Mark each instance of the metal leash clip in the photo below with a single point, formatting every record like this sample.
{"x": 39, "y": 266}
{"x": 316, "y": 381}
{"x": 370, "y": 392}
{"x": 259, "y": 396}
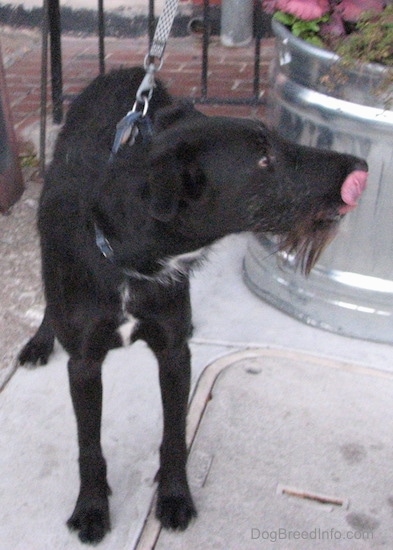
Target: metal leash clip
{"x": 145, "y": 90}
{"x": 126, "y": 130}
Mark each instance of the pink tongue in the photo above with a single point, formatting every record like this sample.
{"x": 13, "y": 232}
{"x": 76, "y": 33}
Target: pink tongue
{"x": 352, "y": 188}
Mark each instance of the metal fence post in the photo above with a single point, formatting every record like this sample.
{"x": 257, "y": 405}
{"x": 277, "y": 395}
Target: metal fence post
{"x": 237, "y": 22}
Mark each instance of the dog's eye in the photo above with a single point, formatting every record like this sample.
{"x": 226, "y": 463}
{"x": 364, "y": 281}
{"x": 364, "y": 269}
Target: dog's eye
{"x": 265, "y": 162}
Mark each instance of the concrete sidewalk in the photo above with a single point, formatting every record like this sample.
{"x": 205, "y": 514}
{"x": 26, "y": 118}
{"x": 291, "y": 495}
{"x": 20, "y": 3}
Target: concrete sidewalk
{"x": 288, "y": 451}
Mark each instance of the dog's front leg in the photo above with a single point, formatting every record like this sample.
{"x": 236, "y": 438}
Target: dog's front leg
{"x": 91, "y": 514}
{"x": 175, "y": 507}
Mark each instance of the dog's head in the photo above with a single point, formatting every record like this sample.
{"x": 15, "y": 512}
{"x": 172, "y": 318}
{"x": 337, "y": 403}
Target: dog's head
{"x": 211, "y": 176}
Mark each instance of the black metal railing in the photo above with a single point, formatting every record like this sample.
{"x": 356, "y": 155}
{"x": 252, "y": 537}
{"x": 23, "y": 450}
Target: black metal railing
{"x": 54, "y": 30}
{"x": 260, "y": 28}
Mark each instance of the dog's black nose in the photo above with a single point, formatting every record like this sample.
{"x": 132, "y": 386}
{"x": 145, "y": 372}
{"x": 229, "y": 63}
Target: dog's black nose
{"x": 361, "y": 165}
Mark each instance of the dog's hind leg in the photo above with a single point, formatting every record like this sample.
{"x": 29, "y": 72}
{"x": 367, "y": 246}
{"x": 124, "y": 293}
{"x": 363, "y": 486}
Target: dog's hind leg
{"x": 40, "y": 346}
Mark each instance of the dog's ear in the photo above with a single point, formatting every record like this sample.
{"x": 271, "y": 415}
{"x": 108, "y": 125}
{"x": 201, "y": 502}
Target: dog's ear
{"x": 175, "y": 176}
{"x": 165, "y": 186}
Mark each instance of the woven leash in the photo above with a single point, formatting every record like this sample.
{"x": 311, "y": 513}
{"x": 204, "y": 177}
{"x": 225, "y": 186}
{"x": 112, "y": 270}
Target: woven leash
{"x": 157, "y": 48}
{"x": 163, "y": 29}
{"x": 128, "y": 127}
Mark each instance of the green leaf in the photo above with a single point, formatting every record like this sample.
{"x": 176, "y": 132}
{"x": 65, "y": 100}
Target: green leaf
{"x": 315, "y": 41}
{"x": 284, "y": 18}
{"x": 314, "y": 26}
{"x": 299, "y": 27}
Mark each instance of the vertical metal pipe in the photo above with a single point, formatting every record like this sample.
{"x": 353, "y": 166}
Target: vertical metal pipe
{"x": 205, "y": 47}
{"x": 101, "y": 37}
{"x": 236, "y": 22}
{"x": 258, "y": 35}
{"x": 56, "y": 65}
{"x": 44, "y": 83}
{"x": 257, "y": 57}
{"x": 151, "y": 22}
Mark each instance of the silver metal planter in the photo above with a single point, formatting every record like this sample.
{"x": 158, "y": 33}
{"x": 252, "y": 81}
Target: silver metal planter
{"x": 312, "y": 101}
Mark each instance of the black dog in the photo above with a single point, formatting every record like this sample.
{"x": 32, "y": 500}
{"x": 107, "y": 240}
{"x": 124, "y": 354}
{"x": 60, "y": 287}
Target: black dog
{"x": 120, "y": 236}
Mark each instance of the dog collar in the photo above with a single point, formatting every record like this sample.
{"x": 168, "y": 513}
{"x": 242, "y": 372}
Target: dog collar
{"x": 103, "y": 244}
{"x": 127, "y": 129}
{"x": 107, "y": 251}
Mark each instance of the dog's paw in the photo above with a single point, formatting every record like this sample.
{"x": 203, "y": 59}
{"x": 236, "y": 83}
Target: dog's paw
{"x": 35, "y": 353}
{"x": 175, "y": 512}
{"x": 91, "y": 520}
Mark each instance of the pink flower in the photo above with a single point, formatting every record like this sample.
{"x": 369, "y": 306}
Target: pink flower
{"x": 304, "y": 9}
{"x": 351, "y": 10}
{"x": 269, "y": 6}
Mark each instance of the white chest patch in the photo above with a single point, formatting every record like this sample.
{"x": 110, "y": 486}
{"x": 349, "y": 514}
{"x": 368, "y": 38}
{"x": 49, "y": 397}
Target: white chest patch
{"x": 180, "y": 265}
{"x": 182, "y": 262}
{"x": 173, "y": 268}
{"x": 127, "y": 327}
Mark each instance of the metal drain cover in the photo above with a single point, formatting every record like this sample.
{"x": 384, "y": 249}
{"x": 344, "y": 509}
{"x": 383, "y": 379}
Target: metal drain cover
{"x": 274, "y": 422}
